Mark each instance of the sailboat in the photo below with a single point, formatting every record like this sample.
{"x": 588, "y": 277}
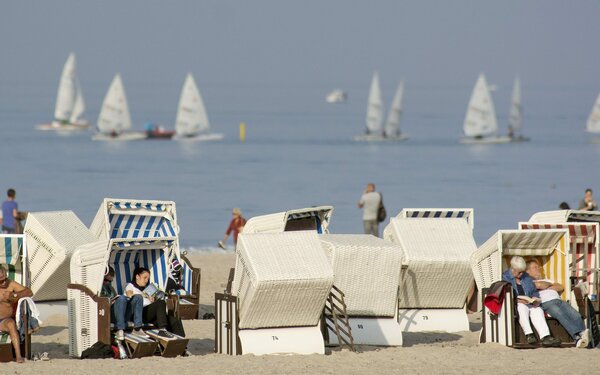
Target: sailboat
{"x": 593, "y": 122}
{"x": 515, "y": 118}
{"x": 114, "y": 121}
{"x": 70, "y": 106}
{"x": 375, "y": 128}
{"x": 192, "y": 122}
{"x": 480, "y": 125}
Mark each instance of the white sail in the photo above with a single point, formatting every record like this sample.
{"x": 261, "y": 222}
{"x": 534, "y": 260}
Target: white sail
{"x": 65, "y": 98}
{"x": 392, "y": 125}
{"x": 114, "y": 115}
{"x": 480, "y": 119}
{"x": 375, "y": 107}
{"x": 516, "y": 111}
{"x": 79, "y": 106}
{"x": 191, "y": 114}
{"x": 593, "y": 122}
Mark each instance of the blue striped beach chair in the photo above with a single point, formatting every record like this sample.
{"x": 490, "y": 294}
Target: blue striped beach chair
{"x": 150, "y": 219}
{"x": 89, "y": 314}
{"x": 13, "y": 253}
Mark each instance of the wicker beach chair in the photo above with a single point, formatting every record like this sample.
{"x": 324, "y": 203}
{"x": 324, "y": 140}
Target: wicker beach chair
{"x": 438, "y": 277}
{"x": 367, "y": 270}
{"x": 550, "y": 247}
{"x": 439, "y": 213}
{"x": 139, "y": 219}
{"x": 51, "y": 238}
{"x": 89, "y": 314}
{"x": 311, "y": 218}
{"x": 278, "y": 292}
{"x": 13, "y": 254}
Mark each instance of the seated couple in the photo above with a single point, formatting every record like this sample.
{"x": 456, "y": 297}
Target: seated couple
{"x": 137, "y": 305}
{"x": 526, "y": 281}
{"x": 10, "y": 293}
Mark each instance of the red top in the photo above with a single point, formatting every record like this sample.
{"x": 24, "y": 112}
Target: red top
{"x": 235, "y": 226}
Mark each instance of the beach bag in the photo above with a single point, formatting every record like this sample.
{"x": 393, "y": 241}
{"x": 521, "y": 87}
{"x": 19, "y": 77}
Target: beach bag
{"x": 98, "y": 351}
{"x": 381, "y": 212}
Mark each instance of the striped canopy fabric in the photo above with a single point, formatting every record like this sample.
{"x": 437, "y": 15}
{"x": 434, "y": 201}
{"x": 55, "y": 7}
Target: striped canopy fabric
{"x": 126, "y": 256}
{"x": 584, "y": 248}
{"x": 10, "y": 249}
{"x": 438, "y": 213}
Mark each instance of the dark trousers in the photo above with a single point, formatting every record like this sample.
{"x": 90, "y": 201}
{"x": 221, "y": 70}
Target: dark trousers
{"x": 156, "y": 313}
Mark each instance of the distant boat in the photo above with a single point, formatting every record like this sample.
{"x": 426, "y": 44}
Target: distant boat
{"x": 480, "y": 125}
{"x": 375, "y": 130}
{"x": 515, "y": 118}
{"x": 192, "y": 122}
{"x": 114, "y": 121}
{"x": 336, "y": 96}
{"x": 593, "y": 122}
{"x": 70, "y": 106}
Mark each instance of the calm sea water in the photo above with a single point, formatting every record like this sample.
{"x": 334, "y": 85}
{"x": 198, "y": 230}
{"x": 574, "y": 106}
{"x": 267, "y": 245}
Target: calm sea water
{"x": 299, "y": 152}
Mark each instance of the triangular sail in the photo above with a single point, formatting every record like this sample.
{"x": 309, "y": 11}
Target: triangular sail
{"x": 375, "y": 107}
{"x": 79, "y": 106}
{"x": 392, "y": 126}
{"x": 114, "y": 115}
{"x": 516, "y": 111}
{"x": 480, "y": 119}
{"x": 65, "y": 98}
{"x": 593, "y": 122}
{"x": 191, "y": 114}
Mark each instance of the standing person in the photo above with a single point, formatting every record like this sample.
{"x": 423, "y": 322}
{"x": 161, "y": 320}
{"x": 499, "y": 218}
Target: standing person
{"x": 588, "y": 203}
{"x": 10, "y": 213}
{"x": 369, "y": 202}
{"x": 10, "y": 292}
{"x": 235, "y": 226}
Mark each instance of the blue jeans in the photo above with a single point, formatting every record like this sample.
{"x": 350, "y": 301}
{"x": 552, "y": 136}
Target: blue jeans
{"x": 123, "y": 309}
{"x": 566, "y": 315}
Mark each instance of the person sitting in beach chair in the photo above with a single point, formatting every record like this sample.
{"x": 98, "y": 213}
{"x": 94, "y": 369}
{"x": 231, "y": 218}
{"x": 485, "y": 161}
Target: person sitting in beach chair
{"x": 10, "y": 292}
{"x": 154, "y": 307}
{"x": 123, "y": 309}
{"x": 528, "y": 303}
{"x": 553, "y": 305}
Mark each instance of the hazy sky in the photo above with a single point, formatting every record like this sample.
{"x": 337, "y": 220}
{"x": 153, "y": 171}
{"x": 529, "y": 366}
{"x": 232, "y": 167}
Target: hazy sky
{"x": 433, "y": 44}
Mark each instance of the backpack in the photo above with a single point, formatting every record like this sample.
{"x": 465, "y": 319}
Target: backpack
{"x": 381, "y": 213}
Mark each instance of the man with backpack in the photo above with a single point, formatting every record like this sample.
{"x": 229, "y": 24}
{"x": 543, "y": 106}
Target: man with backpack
{"x": 371, "y": 203}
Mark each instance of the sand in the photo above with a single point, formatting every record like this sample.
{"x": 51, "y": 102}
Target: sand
{"x": 422, "y": 353}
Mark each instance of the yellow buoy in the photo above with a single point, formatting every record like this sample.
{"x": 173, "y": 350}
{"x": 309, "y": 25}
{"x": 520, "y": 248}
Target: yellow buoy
{"x": 242, "y": 131}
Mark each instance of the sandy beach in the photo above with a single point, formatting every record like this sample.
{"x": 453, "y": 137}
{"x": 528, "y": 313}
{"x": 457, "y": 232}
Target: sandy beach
{"x": 422, "y": 352}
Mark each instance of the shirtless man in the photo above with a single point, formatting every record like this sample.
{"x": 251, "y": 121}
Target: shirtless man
{"x": 10, "y": 292}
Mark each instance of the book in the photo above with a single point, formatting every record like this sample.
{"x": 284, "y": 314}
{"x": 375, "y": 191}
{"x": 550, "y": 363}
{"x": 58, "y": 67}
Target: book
{"x": 529, "y": 300}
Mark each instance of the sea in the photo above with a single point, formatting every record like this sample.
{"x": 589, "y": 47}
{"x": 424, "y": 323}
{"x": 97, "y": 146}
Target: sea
{"x": 298, "y": 152}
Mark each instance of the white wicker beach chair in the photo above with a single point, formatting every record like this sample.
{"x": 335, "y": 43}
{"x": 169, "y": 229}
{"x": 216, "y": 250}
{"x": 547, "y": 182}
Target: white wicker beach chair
{"x": 439, "y": 213}
{"x": 367, "y": 270}
{"x": 89, "y": 314}
{"x": 549, "y": 246}
{"x": 438, "y": 275}
{"x": 311, "y": 218}
{"x": 13, "y": 253}
{"x": 585, "y": 249}
{"x": 134, "y": 218}
{"x": 51, "y": 238}
{"x": 281, "y": 284}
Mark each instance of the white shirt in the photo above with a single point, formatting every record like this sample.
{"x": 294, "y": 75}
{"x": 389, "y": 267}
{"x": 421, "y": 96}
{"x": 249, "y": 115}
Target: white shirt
{"x": 131, "y": 287}
{"x": 370, "y": 202}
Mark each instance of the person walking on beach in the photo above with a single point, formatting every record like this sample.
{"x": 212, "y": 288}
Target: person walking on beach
{"x": 588, "y": 203}
{"x": 10, "y": 213}
{"x": 369, "y": 202}
{"x": 235, "y": 226}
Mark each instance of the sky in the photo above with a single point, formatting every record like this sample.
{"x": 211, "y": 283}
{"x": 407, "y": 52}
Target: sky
{"x": 284, "y": 45}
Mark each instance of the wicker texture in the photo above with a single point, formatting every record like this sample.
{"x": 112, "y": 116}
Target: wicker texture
{"x": 437, "y": 253}
{"x": 367, "y": 270}
{"x": 52, "y": 237}
{"x": 281, "y": 280}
